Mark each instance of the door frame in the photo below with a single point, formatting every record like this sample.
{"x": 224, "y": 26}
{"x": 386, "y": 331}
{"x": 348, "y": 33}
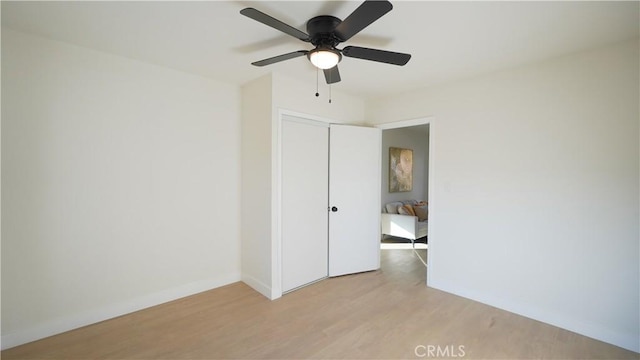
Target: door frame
{"x": 428, "y": 120}
{"x": 276, "y": 193}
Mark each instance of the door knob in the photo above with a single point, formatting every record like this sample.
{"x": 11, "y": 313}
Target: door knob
{"x": 334, "y": 209}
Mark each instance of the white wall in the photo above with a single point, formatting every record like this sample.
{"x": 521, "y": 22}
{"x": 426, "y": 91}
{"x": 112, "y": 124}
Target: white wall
{"x": 256, "y": 184}
{"x": 298, "y": 95}
{"x": 535, "y": 189}
{"x": 418, "y": 141}
{"x": 120, "y": 186}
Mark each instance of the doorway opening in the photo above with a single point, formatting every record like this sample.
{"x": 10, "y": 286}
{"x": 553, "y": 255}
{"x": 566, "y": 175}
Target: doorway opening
{"x": 405, "y": 209}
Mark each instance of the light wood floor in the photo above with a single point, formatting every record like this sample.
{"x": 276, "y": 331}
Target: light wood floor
{"x": 382, "y": 314}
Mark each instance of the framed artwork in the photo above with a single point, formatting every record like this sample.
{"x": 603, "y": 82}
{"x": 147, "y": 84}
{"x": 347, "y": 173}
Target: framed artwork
{"x": 400, "y": 170}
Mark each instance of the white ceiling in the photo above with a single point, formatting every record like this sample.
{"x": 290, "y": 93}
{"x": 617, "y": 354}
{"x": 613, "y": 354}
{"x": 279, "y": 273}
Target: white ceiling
{"x": 448, "y": 40}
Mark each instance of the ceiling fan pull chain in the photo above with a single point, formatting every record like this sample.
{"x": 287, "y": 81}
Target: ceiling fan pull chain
{"x": 330, "y": 81}
{"x": 317, "y": 71}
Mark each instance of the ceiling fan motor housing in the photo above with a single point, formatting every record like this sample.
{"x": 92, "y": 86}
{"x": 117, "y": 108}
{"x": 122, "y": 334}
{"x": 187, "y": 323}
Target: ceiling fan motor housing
{"x": 320, "y": 30}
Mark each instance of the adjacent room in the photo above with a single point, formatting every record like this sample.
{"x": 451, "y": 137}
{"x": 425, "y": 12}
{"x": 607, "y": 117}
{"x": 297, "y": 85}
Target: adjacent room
{"x": 405, "y": 186}
{"x": 211, "y": 179}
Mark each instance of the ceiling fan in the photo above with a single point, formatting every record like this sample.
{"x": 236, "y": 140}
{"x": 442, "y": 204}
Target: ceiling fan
{"x": 325, "y": 32}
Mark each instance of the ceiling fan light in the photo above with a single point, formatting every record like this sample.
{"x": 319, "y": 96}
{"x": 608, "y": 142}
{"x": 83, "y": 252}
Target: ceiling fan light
{"x": 324, "y": 58}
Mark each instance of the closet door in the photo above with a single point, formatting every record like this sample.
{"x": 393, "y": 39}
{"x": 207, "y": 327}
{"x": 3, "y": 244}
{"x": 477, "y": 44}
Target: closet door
{"x": 354, "y": 221}
{"x": 305, "y": 188}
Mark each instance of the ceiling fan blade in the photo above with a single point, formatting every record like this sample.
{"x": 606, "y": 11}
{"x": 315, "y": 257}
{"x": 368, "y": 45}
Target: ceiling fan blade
{"x": 388, "y": 57}
{"x": 279, "y": 58}
{"x": 332, "y": 75}
{"x": 274, "y": 23}
{"x": 360, "y": 18}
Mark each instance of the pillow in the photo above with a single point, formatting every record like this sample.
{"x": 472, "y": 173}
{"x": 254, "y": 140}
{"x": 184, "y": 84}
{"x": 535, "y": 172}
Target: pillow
{"x": 421, "y": 211}
{"x": 392, "y": 208}
{"x": 406, "y": 210}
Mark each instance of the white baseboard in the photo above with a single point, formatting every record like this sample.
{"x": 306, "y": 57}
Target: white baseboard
{"x": 60, "y": 325}
{"x": 623, "y": 340}
{"x": 257, "y": 285}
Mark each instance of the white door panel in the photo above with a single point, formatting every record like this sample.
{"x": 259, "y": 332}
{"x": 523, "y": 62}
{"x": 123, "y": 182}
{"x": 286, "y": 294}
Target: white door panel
{"x": 354, "y": 180}
{"x": 305, "y": 157}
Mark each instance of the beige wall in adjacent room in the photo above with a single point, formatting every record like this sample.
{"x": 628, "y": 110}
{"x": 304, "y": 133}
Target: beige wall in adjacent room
{"x": 414, "y": 138}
